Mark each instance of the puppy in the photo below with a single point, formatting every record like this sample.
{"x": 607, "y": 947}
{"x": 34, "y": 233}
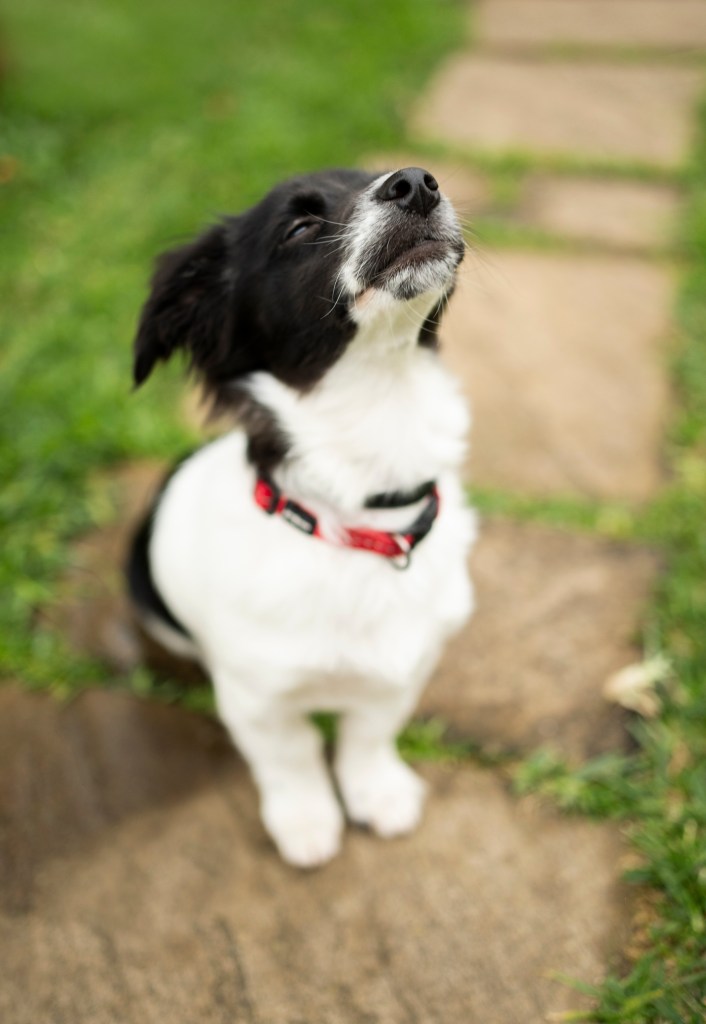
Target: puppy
{"x": 315, "y": 558}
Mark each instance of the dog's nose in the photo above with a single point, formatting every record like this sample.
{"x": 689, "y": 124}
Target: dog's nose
{"x": 412, "y": 189}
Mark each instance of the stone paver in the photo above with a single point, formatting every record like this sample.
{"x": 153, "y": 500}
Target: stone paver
{"x": 614, "y": 214}
{"x": 558, "y": 613}
{"x": 589, "y": 109}
{"x": 138, "y": 884}
{"x": 665, "y": 24}
{"x": 563, "y": 358}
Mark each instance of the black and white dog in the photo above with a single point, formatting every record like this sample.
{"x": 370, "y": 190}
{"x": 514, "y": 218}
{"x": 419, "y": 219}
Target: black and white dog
{"x": 273, "y": 554}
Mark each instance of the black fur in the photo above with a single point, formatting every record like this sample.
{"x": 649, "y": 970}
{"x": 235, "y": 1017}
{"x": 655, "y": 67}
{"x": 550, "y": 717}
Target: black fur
{"x": 138, "y": 571}
{"x": 429, "y": 332}
{"x": 267, "y": 442}
{"x": 246, "y": 297}
{"x": 259, "y": 291}
{"x": 141, "y": 585}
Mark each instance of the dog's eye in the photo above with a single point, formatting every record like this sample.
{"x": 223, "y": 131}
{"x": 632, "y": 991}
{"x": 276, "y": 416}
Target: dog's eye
{"x": 300, "y": 228}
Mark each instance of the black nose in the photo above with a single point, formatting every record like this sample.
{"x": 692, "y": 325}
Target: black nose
{"x": 412, "y": 189}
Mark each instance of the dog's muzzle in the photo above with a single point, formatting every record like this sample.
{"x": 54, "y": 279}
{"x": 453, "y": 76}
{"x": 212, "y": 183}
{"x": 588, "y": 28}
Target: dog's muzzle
{"x": 404, "y": 237}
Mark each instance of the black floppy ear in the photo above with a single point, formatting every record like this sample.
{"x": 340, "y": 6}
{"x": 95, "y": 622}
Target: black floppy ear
{"x": 190, "y": 305}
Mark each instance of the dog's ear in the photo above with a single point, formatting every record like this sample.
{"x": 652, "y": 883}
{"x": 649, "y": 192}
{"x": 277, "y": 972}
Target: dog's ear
{"x": 190, "y": 305}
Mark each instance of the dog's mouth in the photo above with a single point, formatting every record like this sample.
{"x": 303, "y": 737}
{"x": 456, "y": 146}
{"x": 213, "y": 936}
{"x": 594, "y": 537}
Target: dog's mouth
{"x": 416, "y": 255}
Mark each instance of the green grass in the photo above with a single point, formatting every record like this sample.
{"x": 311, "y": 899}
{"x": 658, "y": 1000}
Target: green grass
{"x": 605, "y": 53}
{"x": 517, "y": 162}
{"x": 125, "y": 126}
{"x": 504, "y": 231}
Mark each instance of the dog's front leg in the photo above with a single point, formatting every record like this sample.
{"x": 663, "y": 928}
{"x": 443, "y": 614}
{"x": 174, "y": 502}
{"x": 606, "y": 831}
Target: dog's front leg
{"x": 285, "y": 754}
{"x": 378, "y": 788}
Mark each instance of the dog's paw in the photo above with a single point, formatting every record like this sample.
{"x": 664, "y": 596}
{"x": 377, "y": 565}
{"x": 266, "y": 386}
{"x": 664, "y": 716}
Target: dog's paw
{"x": 387, "y": 795}
{"x": 307, "y": 831}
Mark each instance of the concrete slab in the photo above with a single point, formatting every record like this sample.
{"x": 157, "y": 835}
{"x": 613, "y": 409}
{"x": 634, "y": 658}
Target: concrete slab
{"x": 563, "y": 358}
{"x": 558, "y": 613}
{"x": 138, "y": 885}
{"x": 588, "y": 109}
{"x": 664, "y": 24}
{"x": 630, "y": 215}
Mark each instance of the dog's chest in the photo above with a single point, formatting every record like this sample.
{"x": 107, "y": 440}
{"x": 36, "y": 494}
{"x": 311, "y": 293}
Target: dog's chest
{"x": 374, "y": 423}
{"x": 343, "y": 617}
{"x": 282, "y": 606}
{"x": 345, "y": 613}
{"x": 289, "y": 609}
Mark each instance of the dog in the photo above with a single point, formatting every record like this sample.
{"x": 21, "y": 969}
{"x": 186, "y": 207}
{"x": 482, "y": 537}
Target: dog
{"x": 314, "y": 558}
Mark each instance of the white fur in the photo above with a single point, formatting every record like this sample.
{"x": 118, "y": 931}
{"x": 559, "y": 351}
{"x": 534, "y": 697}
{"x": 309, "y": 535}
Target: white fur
{"x": 288, "y": 624}
{"x": 369, "y": 220}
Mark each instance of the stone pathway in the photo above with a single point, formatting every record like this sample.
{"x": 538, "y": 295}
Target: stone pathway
{"x": 564, "y": 356}
{"x": 557, "y": 616}
{"x": 139, "y": 884}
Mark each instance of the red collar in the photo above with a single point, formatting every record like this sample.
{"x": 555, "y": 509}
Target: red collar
{"x": 397, "y": 547}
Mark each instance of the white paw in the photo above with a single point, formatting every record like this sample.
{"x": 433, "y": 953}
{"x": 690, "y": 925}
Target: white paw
{"x": 307, "y": 831}
{"x": 386, "y": 795}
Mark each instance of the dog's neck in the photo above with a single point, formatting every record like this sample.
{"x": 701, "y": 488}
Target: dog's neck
{"x": 385, "y": 417}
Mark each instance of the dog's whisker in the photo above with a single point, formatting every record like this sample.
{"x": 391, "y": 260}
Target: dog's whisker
{"x": 329, "y": 241}
{"x": 338, "y": 237}
{"x": 336, "y": 298}
{"x": 333, "y": 251}
{"x": 338, "y": 223}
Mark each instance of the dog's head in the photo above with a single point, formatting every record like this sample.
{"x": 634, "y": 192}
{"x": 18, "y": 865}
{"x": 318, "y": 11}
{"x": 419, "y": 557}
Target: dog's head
{"x": 286, "y": 286}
